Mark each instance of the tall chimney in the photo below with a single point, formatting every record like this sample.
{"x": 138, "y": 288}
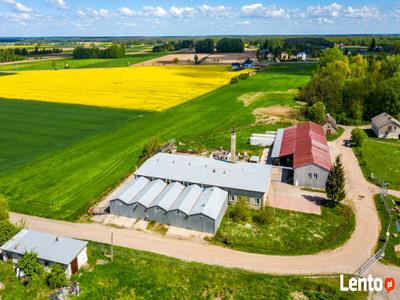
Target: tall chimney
{"x": 233, "y": 145}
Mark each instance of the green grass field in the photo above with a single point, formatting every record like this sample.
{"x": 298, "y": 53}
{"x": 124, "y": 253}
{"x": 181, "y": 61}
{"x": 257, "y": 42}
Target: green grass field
{"x": 80, "y": 63}
{"x": 381, "y": 157}
{"x": 65, "y": 183}
{"x": 390, "y": 255}
{"x": 141, "y": 275}
{"x": 289, "y": 232}
{"x": 29, "y": 130}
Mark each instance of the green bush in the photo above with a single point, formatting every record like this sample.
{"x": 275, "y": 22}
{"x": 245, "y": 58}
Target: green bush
{"x": 263, "y": 216}
{"x": 241, "y": 212}
{"x": 7, "y": 231}
{"x": 358, "y": 136}
{"x": 57, "y": 277}
{"x": 3, "y": 209}
{"x": 29, "y": 264}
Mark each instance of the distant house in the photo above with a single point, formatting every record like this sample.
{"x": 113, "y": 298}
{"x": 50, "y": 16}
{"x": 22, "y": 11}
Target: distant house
{"x": 304, "y": 151}
{"x": 330, "y": 126}
{"x": 69, "y": 253}
{"x": 270, "y": 56}
{"x": 385, "y": 126}
{"x": 301, "y": 56}
{"x": 284, "y": 56}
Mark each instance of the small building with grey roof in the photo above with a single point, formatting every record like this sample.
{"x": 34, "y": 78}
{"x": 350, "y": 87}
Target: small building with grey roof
{"x": 385, "y": 126}
{"x": 51, "y": 249}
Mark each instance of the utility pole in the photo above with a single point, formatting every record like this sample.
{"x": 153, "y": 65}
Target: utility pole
{"x": 274, "y": 199}
{"x": 112, "y": 246}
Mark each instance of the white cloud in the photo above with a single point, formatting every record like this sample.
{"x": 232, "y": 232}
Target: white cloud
{"x": 126, "y": 11}
{"x": 363, "y": 12}
{"x": 325, "y": 21}
{"x": 61, "y": 4}
{"x": 259, "y": 10}
{"x": 16, "y": 18}
{"x": 215, "y": 11}
{"x": 155, "y": 11}
{"x": 396, "y": 13}
{"x": 332, "y": 10}
{"x": 244, "y": 22}
{"x": 181, "y": 11}
{"x": 80, "y": 13}
{"x": 17, "y": 6}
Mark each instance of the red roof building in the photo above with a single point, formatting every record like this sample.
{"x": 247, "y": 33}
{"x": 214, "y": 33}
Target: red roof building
{"x": 300, "y": 146}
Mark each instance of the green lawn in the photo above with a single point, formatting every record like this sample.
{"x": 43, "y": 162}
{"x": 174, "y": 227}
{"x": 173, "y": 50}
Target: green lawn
{"x": 390, "y": 256}
{"x": 80, "y": 63}
{"x": 142, "y": 275}
{"x": 64, "y": 184}
{"x": 31, "y": 129}
{"x": 289, "y": 232}
{"x": 381, "y": 157}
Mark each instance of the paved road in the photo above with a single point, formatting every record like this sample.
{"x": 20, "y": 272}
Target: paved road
{"x": 345, "y": 259}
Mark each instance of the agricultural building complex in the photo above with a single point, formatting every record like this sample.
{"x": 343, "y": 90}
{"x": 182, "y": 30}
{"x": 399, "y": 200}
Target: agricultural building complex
{"x": 189, "y": 191}
{"x": 70, "y": 253}
{"x": 303, "y": 148}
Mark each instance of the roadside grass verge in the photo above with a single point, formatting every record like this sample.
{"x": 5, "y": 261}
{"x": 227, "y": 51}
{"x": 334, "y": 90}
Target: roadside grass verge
{"x": 64, "y": 184}
{"x": 289, "y": 232}
{"x": 332, "y": 137}
{"x": 152, "y": 276}
{"x": 136, "y": 274}
{"x": 390, "y": 255}
{"x": 382, "y": 158}
{"x": 80, "y": 63}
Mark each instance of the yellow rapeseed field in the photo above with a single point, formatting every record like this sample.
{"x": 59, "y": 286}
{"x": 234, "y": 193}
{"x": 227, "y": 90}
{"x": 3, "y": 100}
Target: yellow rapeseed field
{"x": 146, "y": 88}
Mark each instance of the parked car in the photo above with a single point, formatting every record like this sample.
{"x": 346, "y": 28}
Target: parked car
{"x": 348, "y": 143}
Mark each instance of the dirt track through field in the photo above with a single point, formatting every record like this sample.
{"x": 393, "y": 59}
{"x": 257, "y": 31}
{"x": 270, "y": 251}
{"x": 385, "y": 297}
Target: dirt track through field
{"x": 345, "y": 259}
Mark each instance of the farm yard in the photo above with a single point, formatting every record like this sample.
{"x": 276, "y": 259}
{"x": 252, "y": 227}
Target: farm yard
{"x": 63, "y": 183}
{"x": 148, "y": 88}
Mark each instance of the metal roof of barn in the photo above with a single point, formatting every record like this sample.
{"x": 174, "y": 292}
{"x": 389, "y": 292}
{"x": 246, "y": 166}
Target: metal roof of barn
{"x": 277, "y": 143}
{"x": 168, "y": 196}
{"x": 130, "y": 190}
{"x": 308, "y": 145}
{"x": 210, "y": 203}
{"x": 149, "y": 193}
{"x": 207, "y": 171}
{"x": 48, "y": 247}
{"x": 187, "y": 199}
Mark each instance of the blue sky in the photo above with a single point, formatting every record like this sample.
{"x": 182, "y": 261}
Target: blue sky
{"x": 193, "y": 17}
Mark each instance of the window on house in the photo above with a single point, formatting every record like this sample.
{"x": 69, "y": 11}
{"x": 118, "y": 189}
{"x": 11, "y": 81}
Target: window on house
{"x": 315, "y": 175}
{"x": 257, "y": 201}
{"x": 310, "y": 175}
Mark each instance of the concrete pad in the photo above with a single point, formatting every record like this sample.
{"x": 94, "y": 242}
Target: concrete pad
{"x": 186, "y": 234}
{"x": 109, "y": 219}
{"x": 124, "y": 222}
{"x": 286, "y": 196}
{"x": 98, "y": 218}
{"x": 141, "y": 225}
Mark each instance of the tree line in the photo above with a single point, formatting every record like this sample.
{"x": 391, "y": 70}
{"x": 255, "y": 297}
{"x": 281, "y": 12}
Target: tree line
{"x": 8, "y": 55}
{"x": 224, "y": 45}
{"x": 15, "y": 54}
{"x": 355, "y": 88}
{"x": 313, "y": 46}
{"x": 113, "y": 51}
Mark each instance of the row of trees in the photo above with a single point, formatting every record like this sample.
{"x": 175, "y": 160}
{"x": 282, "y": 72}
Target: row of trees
{"x": 174, "y": 46}
{"x": 224, "y": 45}
{"x": 8, "y": 55}
{"x": 113, "y": 51}
{"x": 355, "y": 88}
{"x": 313, "y": 46}
{"x": 36, "y": 51}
